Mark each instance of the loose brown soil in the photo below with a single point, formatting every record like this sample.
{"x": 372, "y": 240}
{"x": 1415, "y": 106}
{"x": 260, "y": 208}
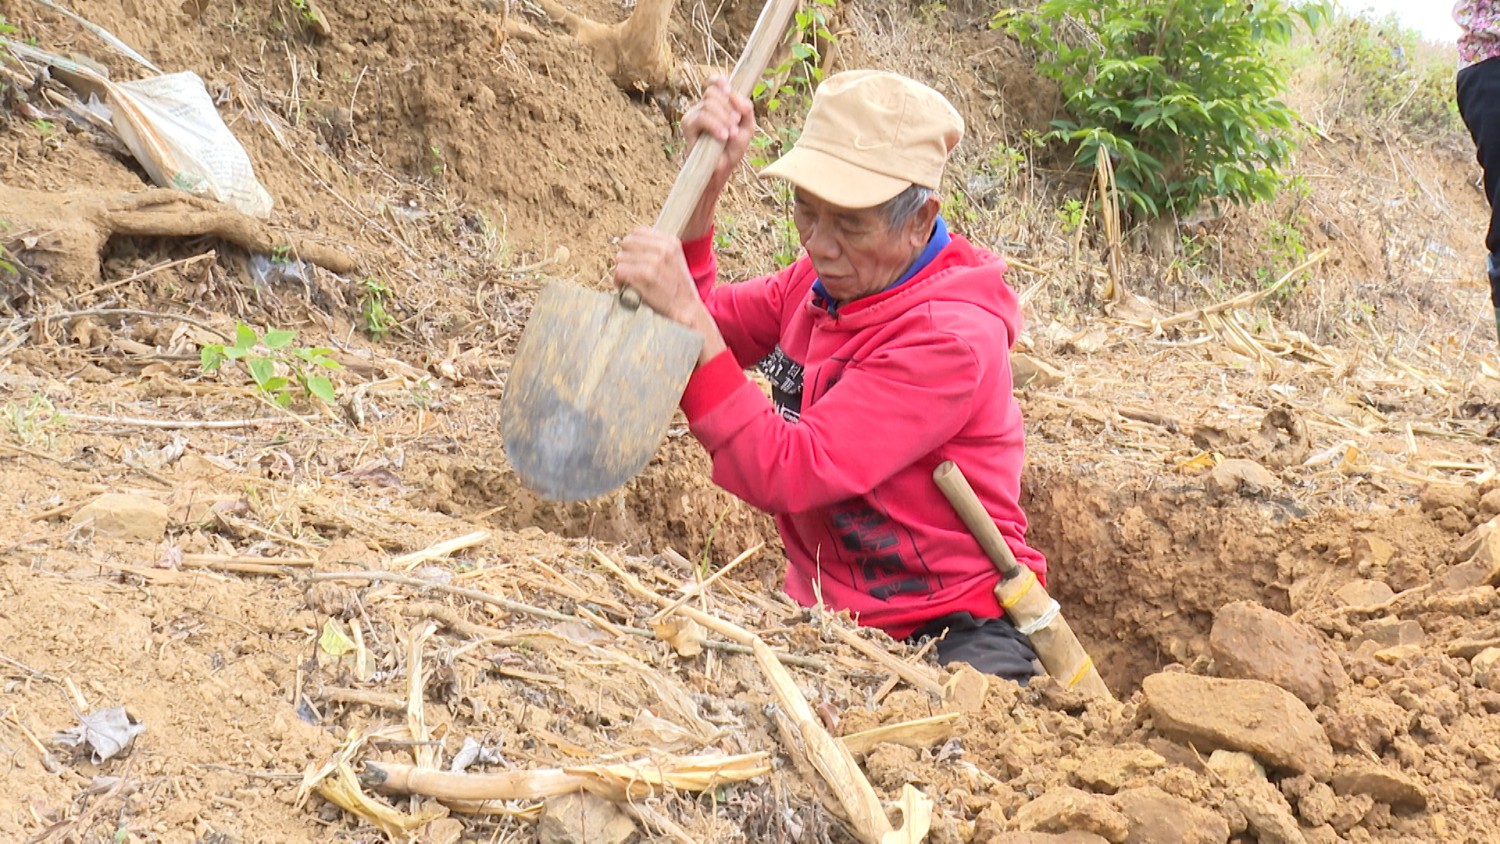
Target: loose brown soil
{"x": 461, "y": 161}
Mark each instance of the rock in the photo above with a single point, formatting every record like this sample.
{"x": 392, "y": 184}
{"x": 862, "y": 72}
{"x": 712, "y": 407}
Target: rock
{"x": 1391, "y": 656}
{"x": 1044, "y": 838}
{"x": 1472, "y": 573}
{"x": 1371, "y": 553}
{"x": 1108, "y": 769}
{"x": 1363, "y": 593}
{"x": 1068, "y": 809}
{"x": 1251, "y": 642}
{"x": 123, "y": 516}
{"x": 583, "y": 818}
{"x": 1027, "y": 371}
{"x": 1267, "y": 812}
{"x": 1489, "y": 503}
{"x": 1256, "y": 717}
{"x": 1470, "y": 544}
{"x": 1234, "y": 766}
{"x": 1438, "y": 497}
{"x": 1390, "y": 633}
{"x": 1236, "y": 475}
{"x": 1383, "y": 784}
{"x": 1484, "y": 665}
{"x": 1157, "y": 817}
{"x": 966, "y": 690}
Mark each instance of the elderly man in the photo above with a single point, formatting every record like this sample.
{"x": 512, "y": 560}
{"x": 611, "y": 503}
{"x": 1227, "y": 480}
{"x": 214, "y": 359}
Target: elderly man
{"x": 887, "y": 348}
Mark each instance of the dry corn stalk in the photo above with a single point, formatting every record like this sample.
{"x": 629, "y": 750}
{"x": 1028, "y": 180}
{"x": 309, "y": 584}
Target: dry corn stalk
{"x": 828, "y": 756}
{"x": 617, "y": 781}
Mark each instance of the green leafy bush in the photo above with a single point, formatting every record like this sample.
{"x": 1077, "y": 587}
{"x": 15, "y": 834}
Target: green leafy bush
{"x": 1381, "y": 71}
{"x": 1182, "y": 94}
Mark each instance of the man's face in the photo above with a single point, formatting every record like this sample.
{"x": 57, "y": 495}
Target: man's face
{"x": 855, "y": 251}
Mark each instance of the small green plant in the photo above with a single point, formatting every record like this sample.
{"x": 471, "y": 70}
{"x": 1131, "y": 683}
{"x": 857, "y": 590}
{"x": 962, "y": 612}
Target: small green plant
{"x": 1005, "y": 163}
{"x": 33, "y": 422}
{"x": 1284, "y": 251}
{"x": 1182, "y": 95}
{"x": 1070, "y": 215}
{"x": 275, "y": 365}
{"x": 373, "y": 297}
{"x": 281, "y": 254}
{"x": 46, "y": 127}
{"x": 439, "y": 165}
{"x": 725, "y": 234}
{"x": 6, "y": 28}
{"x": 801, "y": 71}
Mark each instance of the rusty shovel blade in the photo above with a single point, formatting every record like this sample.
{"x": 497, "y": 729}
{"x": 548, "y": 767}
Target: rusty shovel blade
{"x": 591, "y": 391}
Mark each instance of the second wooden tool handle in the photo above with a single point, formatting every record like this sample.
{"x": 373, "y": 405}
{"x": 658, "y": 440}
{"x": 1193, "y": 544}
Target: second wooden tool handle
{"x": 699, "y": 167}
{"x": 956, "y": 487}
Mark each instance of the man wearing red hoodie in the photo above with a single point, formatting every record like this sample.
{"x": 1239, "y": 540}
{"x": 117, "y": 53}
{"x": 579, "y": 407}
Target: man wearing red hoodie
{"x": 887, "y": 348}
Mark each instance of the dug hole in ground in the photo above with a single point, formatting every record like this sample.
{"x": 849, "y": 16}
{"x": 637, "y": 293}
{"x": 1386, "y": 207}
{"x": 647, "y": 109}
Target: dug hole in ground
{"x": 1271, "y": 519}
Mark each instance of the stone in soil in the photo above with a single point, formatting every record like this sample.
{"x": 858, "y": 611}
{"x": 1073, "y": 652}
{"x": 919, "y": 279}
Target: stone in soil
{"x": 583, "y": 818}
{"x": 1069, "y": 809}
{"x": 1251, "y": 642}
{"x": 1249, "y": 715}
{"x": 1363, "y": 593}
{"x": 1394, "y": 788}
{"x": 1109, "y": 769}
{"x": 1074, "y": 837}
{"x": 1157, "y": 817}
{"x": 119, "y": 515}
{"x": 1266, "y": 811}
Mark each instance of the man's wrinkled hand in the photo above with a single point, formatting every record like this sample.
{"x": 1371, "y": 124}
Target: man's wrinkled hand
{"x": 652, "y": 264}
{"x": 725, "y": 115}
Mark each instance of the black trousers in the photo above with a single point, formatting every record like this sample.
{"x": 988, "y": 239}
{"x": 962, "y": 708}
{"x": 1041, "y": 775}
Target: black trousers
{"x": 991, "y": 645}
{"x": 1479, "y": 103}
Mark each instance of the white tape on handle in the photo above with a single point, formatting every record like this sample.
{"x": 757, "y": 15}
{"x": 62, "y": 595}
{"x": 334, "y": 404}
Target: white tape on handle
{"x": 1047, "y": 617}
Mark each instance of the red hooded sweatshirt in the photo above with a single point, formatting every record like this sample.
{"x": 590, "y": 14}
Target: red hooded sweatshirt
{"x": 867, "y": 400}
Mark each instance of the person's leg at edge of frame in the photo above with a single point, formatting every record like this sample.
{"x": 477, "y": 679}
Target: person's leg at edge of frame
{"x": 1479, "y": 104}
{"x": 992, "y": 645}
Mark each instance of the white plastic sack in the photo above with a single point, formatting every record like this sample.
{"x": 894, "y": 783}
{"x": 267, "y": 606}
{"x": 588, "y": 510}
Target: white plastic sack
{"x": 172, "y": 128}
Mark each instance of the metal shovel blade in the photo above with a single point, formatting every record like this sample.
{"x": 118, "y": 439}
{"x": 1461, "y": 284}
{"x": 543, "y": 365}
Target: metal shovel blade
{"x": 591, "y": 391}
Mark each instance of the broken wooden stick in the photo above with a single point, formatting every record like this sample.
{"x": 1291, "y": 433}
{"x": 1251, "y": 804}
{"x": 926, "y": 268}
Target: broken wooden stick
{"x": 618, "y": 781}
{"x": 830, "y": 758}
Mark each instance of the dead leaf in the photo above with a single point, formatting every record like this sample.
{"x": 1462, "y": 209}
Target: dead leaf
{"x": 107, "y": 732}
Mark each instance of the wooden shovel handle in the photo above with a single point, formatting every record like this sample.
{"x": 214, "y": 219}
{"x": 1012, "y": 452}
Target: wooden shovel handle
{"x": 699, "y": 167}
{"x": 956, "y": 487}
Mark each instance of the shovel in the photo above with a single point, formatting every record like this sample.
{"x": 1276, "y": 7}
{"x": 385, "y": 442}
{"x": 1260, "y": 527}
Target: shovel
{"x": 1021, "y": 595}
{"x": 597, "y": 375}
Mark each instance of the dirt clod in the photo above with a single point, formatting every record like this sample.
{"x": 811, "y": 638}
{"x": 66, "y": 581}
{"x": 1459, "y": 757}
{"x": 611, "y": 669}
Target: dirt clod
{"x": 123, "y": 516}
{"x": 1066, "y": 809}
{"x": 1249, "y": 715}
{"x": 583, "y": 819}
{"x": 1253, "y": 643}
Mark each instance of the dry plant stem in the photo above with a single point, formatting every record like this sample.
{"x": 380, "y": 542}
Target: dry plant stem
{"x": 692, "y": 590}
{"x": 1242, "y": 301}
{"x": 923, "y": 732}
{"x": 196, "y": 424}
{"x": 917, "y": 676}
{"x": 538, "y": 612}
{"x": 183, "y": 318}
{"x": 621, "y": 781}
{"x": 407, "y": 562}
{"x": 832, "y": 760}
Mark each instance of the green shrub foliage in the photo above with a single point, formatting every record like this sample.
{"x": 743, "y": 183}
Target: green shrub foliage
{"x": 1182, "y": 94}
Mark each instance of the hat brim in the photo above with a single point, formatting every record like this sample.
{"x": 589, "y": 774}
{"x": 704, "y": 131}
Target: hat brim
{"x": 833, "y": 179}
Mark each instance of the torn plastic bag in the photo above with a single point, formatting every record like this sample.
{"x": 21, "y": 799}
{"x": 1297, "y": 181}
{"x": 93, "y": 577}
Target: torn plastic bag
{"x": 171, "y": 126}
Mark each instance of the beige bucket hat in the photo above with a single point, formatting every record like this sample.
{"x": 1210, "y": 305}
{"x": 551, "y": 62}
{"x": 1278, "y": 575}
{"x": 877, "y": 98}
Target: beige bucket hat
{"x": 870, "y": 135}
